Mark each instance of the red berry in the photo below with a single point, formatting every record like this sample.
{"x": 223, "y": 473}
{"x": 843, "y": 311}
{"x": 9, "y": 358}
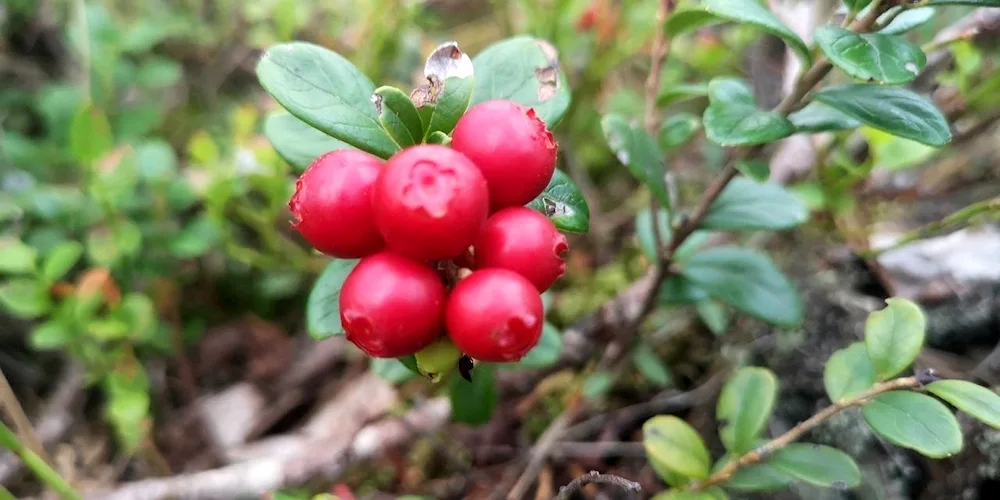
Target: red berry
{"x": 332, "y": 204}
{"x": 524, "y": 241}
{"x": 494, "y": 315}
{"x": 430, "y": 202}
{"x": 511, "y": 146}
{"x": 391, "y": 306}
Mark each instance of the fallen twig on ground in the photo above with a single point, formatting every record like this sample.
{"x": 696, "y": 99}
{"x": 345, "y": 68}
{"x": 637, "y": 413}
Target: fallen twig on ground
{"x": 632, "y": 488}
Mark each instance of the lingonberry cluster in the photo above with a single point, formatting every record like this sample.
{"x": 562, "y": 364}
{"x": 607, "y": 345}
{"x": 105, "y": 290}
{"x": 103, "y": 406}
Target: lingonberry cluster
{"x": 447, "y": 246}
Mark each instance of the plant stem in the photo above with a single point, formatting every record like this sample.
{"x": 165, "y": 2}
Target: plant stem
{"x": 593, "y": 477}
{"x": 5, "y": 494}
{"x": 46, "y": 474}
{"x": 12, "y": 407}
{"x": 795, "y": 433}
{"x": 960, "y": 217}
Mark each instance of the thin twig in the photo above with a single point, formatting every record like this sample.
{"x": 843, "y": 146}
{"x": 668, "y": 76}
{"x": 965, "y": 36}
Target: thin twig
{"x": 795, "y": 433}
{"x": 632, "y": 488}
{"x": 46, "y": 474}
{"x": 958, "y": 218}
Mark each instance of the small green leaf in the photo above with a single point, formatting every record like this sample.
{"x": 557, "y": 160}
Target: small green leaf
{"x": 51, "y": 335}
{"x": 848, "y": 372}
{"x": 473, "y": 402}
{"x": 128, "y": 406}
{"x": 817, "y": 465}
{"x": 749, "y": 12}
{"x": 61, "y": 259}
{"x": 25, "y": 298}
{"x": 733, "y": 118}
{"x": 524, "y": 70}
{"x": 437, "y": 359}
{"x": 914, "y": 421}
{"x": 678, "y": 290}
{"x": 676, "y": 445}
{"x": 757, "y": 170}
{"x": 546, "y": 352}
{"x": 639, "y": 153}
{"x": 438, "y": 137}
{"x": 908, "y": 20}
{"x": 898, "y": 111}
{"x": 714, "y": 315}
{"x": 712, "y": 493}
{"x": 398, "y": 115}
{"x": 107, "y": 329}
{"x": 156, "y": 160}
{"x": 760, "y": 477}
{"x": 871, "y": 57}
{"x": 597, "y": 385}
{"x": 678, "y": 129}
{"x": 391, "y": 370}
{"x": 298, "y": 142}
{"x": 196, "y": 239}
{"x": 746, "y": 280}
{"x": 90, "y": 135}
{"x": 894, "y": 336}
{"x": 644, "y": 231}
{"x": 818, "y": 117}
{"x": 564, "y": 204}
{"x": 651, "y": 366}
{"x": 325, "y": 90}
{"x": 748, "y": 205}
{"x": 16, "y": 257}
{"x": 744, "y": 407}
{"x": 323, "y": 306}
{"x": 676, "y": 92}
{"x": 976, "y": 400}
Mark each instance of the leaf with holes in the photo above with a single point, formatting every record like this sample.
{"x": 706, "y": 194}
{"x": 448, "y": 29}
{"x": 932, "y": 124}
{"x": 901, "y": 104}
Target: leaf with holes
{"x": 894, "y": 336}
{"x": 298, "y": 142}
{"x": 744, "y": 407}
{"x": 733, "y": 118}
{"x": 639, "y": 152}
{"x": 564, "y": 204}
{"x": 976, "y": 400}
{"x": 898, "y": 111}
{"x": 446, "y": 95}
{"x": 848, "y": 372}
{"x": 817, "y": 465}
{"x": 525, "y": 70}
{"x": 871, "y": 57}
{"x": 323, "y": 305}
{"x": 749, "y": 205}
{"x": 676, "y": 445}
{"x": 914, "y": 421}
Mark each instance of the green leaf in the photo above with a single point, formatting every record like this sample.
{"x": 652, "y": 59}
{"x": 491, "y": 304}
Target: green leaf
{"x": 668, "y": 476}
{"x": 678, "y": 290}
{"x": 61, "y": 259}
{"x": 438, "y": 359}
{"x": 644, "y": 231}
{"x": 564, "y": 204}
{"x": 744, "y": 407}
{"x": 639, "y": 153}
{"x": 757, "y": 170}
{"x": 156, "y": 160}
{"x": 16, "y": 257}
{"x": 676, "y": 445}
{"x": 712, "y": 493}
{"x": 438, "y": 137}
{"x": 323, "y": 306}
{"x": 749, "y": 12}
{"x": 392, "y": 370}
{"x": 908, "y": 19}
{"x": 25, "y": 298}
{"x": 747, "y": 281}
{"x": 128, "y": 238}
{"x": 678, "y": 129}
{"x": 597, "y": 385}
{"x": 748, "y": 205}
{"x": 857, "y": 5}
{"x": 473, "y": 402}
{"x": 897, "y": 111}
{"x": 848, "y": 372}
{"x": 651, "y": 366}
{"x": 760, "y": 477}
{"x": 546, "y": 352}
{"x": 157, "y": 73}
{"x": 51, "y": 335}
{"x": 818, "y": 117}
{"x": 524, "y": 70}
{"x": 90, "y": 135}
{"x": 714, "y": 315}
{"x": 128, "y": 406}
{"x": 733, "y": 118}
{"x": 108, "y": 329}
{"x": 8, "y": 208}
{"x": 894, "y": 336}
{"x": 871, "y": 57}
{"x": 298, "y": 142}
{"x": 326, "y": 91}
{"x": 398, "y": 115}
{"x": 817, "y": 465}
{"x": 914, "y": 421}
{"x": 196, "y": 239}
{"x": 974, "y": 399}
{"x": 675, "y": 92}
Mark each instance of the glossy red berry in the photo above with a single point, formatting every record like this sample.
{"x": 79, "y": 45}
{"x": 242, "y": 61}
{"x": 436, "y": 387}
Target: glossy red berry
{"x": 511, "y": 146}
{"x": 524, "y": 241}
{"x": 332, "y": 204}
{"x": 494, "y": 315}
{"x": 430, "y": 202}
{"x": 391, "y": 306}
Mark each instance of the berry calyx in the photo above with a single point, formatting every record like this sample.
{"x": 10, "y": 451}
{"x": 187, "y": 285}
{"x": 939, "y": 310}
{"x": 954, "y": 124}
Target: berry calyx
{"x": 524, "y": 241}
{"x": 511, "y": 146}
{"x": 391, "y": 306}
{"x": 332, "y": 204}
{"x": 430, "y": 202}
{"x": 494, "y": 315}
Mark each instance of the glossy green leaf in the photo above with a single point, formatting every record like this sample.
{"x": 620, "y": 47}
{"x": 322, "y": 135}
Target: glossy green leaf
{"x": 714, "y": 315}
{"x": 16, "y": 257}
{"x": 748, "y": 281}
{"x": 391, "y": 370}
{"x": 676, "y": 445}
{"x": 757, "y": 170}
{"x": 473, "y": 402}
{"x": 638, "y": 151}
{"x": 25, "y": 298}
{"x": 733, "y": 118}
{"x": 398, "y": 115}
{"x": 748, "y": 205}
{"x": 817, "y": 465}
{"x": 908, "y": 20}
{"x": 914, "y": 421}
{"x": 298, "y": 142}
{"x": 323, "y": 306}
{"x": 976, "y": 400}
{"x": 678, "y": 129}
{"x": 712, "y": 493}
{"x": 438, "y": 137}
{"x": 546, "y": 352}
{"x": 668, "y": 476}
{"x": 848, "y": 372}
{"x": 678, "y": 290}
{"x": 651, "y": 366}
{"x": 564, "y": 204}
{"x": 749, "y": 12}
{"x": 325, "y": 90}
{"x": 61, "y": 259}
{"x": 744, "y": 407}
{"x": 524, "y": 70}
{"x": 90, "y": 135}
{"x": 644, "y": 231}
{"x": 897, "y": 111}
{"x": 818, "y": 117}
{"x": 760, "y": 477}
{"x": 871, "y": 57}
{"x": 894, "y": 336}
